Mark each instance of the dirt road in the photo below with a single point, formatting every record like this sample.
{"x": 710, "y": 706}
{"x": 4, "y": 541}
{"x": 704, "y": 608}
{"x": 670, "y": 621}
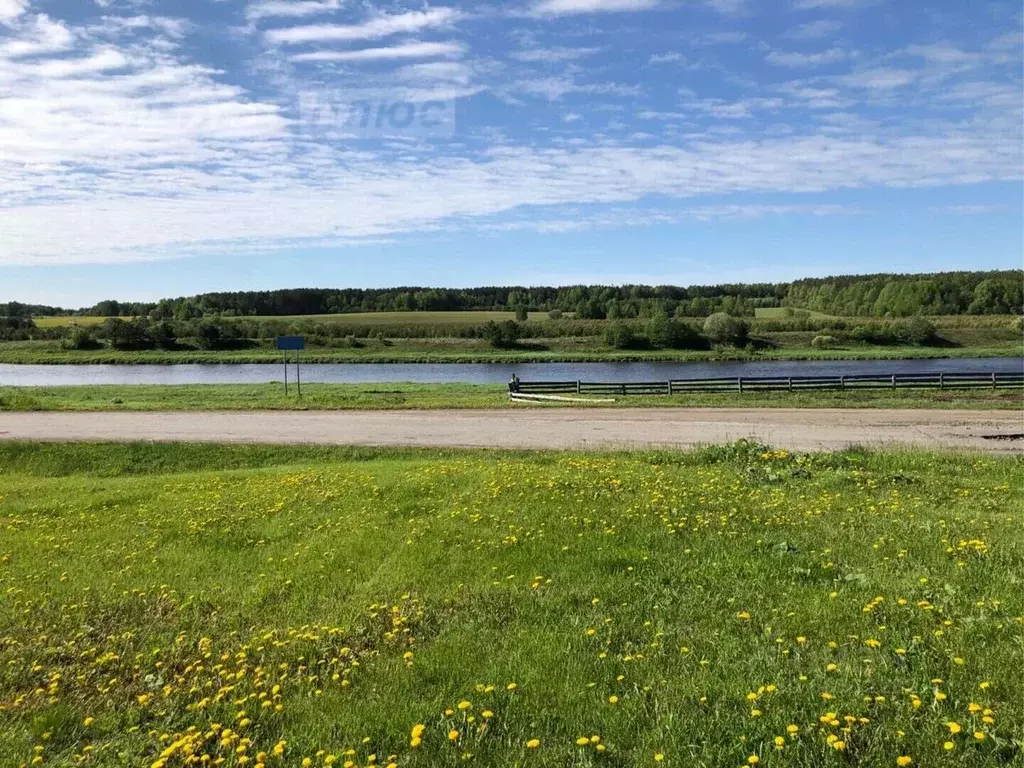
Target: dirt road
{"x": 795, "y": 429}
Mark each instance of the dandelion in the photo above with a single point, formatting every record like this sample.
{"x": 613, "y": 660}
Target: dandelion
{"x": 453, "y": 735}
{"x": 904, "y": 761}
{"x": 533, "y": 744}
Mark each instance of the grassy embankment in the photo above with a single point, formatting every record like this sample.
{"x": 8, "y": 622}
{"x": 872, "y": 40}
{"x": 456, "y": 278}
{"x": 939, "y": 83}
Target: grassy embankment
{"x": 476, "y": 351}
{"x": 276, "y": 605}
{"x": 433, "y": 396}
{"x": 957, "y": 337}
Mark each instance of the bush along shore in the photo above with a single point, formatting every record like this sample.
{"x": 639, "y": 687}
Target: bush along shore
{"x": 717, "y": 337}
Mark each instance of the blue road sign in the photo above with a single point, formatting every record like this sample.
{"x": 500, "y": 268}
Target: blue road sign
{"x": 291, "y": 343}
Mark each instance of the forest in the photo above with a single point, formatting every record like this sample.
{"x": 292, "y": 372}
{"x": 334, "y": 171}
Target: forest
{"x": 952, "y": 293}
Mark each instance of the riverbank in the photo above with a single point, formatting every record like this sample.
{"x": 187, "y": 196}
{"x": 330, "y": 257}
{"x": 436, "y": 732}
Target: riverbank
{"x": 333, "y": 397}
{"x": 990, "y": 344}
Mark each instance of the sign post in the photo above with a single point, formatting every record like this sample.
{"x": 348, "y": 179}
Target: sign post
{"x": 288, "y": 344}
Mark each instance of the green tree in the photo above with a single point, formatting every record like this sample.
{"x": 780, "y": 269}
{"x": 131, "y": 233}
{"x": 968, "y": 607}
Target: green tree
{"x": 620, "y": 335}
{"x": 723, "y": 328}
{"x": 503, "y": 335}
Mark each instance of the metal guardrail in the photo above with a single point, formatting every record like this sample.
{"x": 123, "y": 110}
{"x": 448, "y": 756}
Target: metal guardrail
{"x": 776, "y": 384}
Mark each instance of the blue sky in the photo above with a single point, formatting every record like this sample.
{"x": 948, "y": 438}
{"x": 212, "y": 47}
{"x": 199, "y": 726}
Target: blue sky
{"x": 152, "y": 148}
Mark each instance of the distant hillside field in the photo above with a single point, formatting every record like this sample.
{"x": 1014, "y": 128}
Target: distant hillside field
{"x": 400, "y": 318}
{"x": 66, "y": 321}
{"x": 781, "y": 313}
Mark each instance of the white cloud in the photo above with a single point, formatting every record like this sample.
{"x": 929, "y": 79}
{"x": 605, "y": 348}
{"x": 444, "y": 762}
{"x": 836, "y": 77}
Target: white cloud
{"x": 570, "y": 7}
{"x": 12, "y": 9}
{"x": 553, "y": 55}
{"x": 403, "y": 51}
{"x": 41, "y": 35}
{"x": 314, "y": 192}
{"x": 814, "y": 4}
{"x": 555, "y": 88}
{"x": 943, "y": 54}
{"x": 973, "y": 210}
{"x": 383, "y": 25}
{"x": 112, "y": 26}
{"x": 789, "y": 59}
{"x": 667, "y": 58}
{"x": 813, "y": 30}
{"x": 880, "y": 78}
{"x": 103, "y": 60}
{"x": 290, "y": 8}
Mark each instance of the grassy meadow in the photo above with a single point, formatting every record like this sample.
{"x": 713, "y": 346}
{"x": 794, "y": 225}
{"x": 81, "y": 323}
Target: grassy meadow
{"x": 184, "y": 605}
{"x": 246, "y": 397}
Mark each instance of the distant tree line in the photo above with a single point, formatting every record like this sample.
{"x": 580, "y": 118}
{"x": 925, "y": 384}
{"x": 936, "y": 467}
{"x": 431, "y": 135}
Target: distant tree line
{"x": 953, "y": 293}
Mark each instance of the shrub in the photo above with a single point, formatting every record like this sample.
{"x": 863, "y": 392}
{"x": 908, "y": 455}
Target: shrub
{"x": 824, "y": 342}
{"x": 522, "y": 313}
{"x": 81, "y": 337}
{"x": 132, "y": 335}
{"x": 622, "y": 336}
{"x": 1017, "y": 324}
{"x": 502, "y": 335}
{"x": 722, "y": 328}
{"x": 663, "y": 331}
{"x": 555, "y": 314}
{"x": 208, "y": 335}
{"x": 920, "y": 331}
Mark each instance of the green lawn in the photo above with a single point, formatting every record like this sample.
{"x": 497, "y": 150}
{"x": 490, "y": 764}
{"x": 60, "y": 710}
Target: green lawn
{"x": 273, "y": 605}
{"x": 431, "y": 396}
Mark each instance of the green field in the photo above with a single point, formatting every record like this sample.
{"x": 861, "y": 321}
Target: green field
{"x": 63, "y": 321}
{"x": 780, "y": 313}
{"x": 317, "y": 606}
{"x": 355, "y": 318}
{"x": 405, "y": 318}
{"x": 215, "y": 397}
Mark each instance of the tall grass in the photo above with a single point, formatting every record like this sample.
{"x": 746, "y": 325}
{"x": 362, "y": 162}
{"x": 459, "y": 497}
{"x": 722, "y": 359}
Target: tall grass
{"x": 736, "y": 606}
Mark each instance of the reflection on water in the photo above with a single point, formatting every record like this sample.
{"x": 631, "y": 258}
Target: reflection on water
{"x": 479, "y": 373}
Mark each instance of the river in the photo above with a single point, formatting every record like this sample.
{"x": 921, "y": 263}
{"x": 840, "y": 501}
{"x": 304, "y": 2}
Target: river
{"x": 480, "y": 373}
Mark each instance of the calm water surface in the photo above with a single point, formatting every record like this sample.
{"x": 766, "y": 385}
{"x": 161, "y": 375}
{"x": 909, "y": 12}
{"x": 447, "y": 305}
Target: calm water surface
{"x": 480, "y": 373}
